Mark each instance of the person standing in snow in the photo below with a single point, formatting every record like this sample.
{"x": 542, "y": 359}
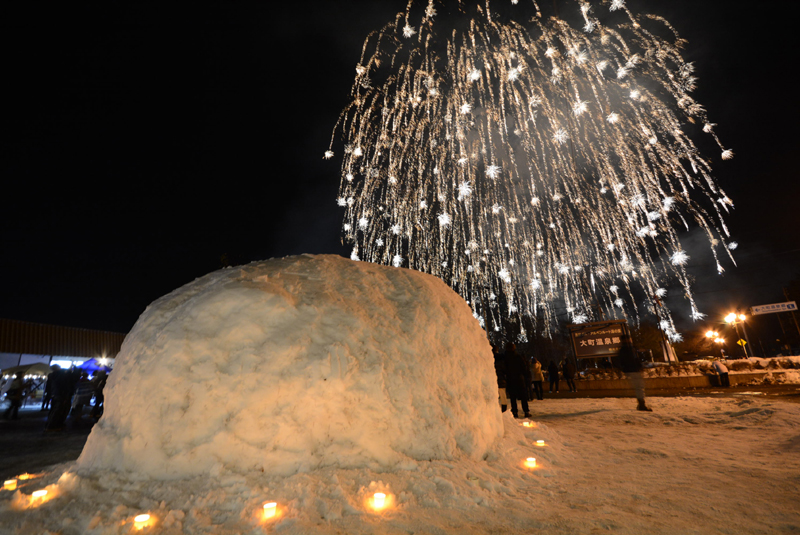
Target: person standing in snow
{"x": 552, "y": 375}
{"x": 48, "y": 387}
{"x": 722, "y": 371}
{"x": 500, "y": 371}
{"x": 99, "y": 381}
{"x": 518, "y": 380}
{"x": 632, "y": 367}
{"x": 64, "y": 382}
{"x": 14, "y": 395}
{"x": 538, "y": 378}
{"x": 569, "y": 374}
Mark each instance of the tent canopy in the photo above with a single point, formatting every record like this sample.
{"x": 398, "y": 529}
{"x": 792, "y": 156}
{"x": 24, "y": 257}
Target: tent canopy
{"x": 38, "y": 368}
{"x": 93, "y": 365}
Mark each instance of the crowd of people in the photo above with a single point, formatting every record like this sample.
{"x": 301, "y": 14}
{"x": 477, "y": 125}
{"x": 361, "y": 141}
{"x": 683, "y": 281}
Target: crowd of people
{"x": 66, "y": 393}
{"x": 522, "y": 379}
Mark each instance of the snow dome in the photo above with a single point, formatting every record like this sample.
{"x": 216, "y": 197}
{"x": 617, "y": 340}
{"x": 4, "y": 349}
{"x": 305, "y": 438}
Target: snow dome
{"x": 295, "y": 364}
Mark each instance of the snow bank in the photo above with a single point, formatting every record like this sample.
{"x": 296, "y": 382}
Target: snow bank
{"x": 294, "y": 365}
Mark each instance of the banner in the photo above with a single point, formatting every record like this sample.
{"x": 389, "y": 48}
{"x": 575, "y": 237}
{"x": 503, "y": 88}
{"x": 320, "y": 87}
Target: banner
{"x": 598, "y": 339}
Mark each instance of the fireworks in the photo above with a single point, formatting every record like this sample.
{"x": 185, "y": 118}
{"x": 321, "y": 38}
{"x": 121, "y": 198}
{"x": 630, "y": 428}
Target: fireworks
{"x": 532, "y": 166}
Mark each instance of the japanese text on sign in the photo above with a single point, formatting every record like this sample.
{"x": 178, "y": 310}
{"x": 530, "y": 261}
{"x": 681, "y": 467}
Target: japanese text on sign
{"x": 775, "y": 307}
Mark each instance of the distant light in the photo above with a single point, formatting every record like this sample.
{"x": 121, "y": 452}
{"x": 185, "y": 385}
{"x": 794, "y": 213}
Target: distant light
{"x": 540, "y": 442}
{"x": 10, "y": 484}
{"x": 39, "y": 493}
{"x": 530, "y": 462}
{"x": 379, "y": 500}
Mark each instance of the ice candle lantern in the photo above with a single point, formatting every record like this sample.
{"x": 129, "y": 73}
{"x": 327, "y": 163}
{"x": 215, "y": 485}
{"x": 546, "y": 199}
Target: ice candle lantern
{"x": 10, "y": 484}
{"x": 270, "y": 510}
{"x": 540, "y": 442}
{"x": 141, "y": 521}
{"x": 379, "y": 500}
{"x": 530, "y": 462}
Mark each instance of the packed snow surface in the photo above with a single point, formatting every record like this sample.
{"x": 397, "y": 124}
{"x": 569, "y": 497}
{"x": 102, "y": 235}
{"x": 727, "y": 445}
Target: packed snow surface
{"x": 699, "y": 465}
{"x": 296, "y": 365}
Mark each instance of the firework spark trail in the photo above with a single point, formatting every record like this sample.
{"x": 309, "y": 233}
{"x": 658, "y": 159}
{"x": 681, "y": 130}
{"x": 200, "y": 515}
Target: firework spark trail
{"x": 530, "y": 168}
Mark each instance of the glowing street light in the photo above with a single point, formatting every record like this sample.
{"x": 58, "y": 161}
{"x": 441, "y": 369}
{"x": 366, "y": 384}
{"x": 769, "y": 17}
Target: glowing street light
{"x": 735, "y": 319}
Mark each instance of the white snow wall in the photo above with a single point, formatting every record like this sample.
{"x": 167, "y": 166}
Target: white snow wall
{"x": 295, "y": 364}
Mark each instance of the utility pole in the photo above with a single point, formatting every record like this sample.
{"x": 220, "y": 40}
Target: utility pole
{"x": 794, "y": 313}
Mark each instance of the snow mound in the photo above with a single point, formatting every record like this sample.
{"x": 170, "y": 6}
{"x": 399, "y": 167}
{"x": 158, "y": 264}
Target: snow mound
{"x": 298, "y": 364}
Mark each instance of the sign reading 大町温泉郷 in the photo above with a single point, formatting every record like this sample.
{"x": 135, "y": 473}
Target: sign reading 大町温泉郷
{"x": 789, "y": 306}
{"x": 598, "y": 339}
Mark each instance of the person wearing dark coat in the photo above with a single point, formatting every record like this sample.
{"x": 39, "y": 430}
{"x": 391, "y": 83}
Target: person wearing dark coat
{"x": 48, "y": 387}
{"x": 518, "y": 380}
{"x": 15, "y": 395}
{"x": 500, "y": 371}
{"x": 99, "y": 381}
{"x": 632, "y": 367}
{"x": 64, "y": 382}
{"x": 569, "y": 374}
{"x": 552, "y": 375}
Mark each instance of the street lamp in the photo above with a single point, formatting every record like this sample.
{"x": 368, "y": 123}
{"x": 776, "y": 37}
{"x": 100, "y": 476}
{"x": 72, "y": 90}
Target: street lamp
{"x": 735, "y": 319}
{"x": 715, "y": 336}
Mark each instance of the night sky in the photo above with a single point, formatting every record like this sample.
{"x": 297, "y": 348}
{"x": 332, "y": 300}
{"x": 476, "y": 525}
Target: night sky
{"x": 146, "y": 146}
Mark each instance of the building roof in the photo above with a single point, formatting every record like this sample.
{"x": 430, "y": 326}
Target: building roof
{"x": 55, "y": 340}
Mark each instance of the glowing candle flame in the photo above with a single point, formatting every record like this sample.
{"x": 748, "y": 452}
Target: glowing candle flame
{"x": 39, "y": 493}
{"x": 540, "y": 442}
{"x": 379, "y": 500}
{"x": 142, "y": 521}
{"x": 530, "y": 462}
{"x": 270, "y": 509}
{"x": 10, "y": 484}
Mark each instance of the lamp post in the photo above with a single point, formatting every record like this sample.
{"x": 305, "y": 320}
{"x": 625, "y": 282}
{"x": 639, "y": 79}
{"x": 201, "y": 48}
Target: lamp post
{"x": 735, "y": 319}
{"x": 717, "y": 340}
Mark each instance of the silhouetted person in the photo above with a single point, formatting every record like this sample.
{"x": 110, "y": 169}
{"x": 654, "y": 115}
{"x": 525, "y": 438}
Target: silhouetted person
{"x": 538, "y": 378}
{"x": 99, "y": 381}
{"x": 569, "y": 374}
{"x": 48, "y": 387}
{"x": 84, "y": 390}
{"x": 552, "y": 375}
{"x": 14, "y": 395}
{"x": 632, "y": 367}
{"x": 500, "y": 371}
{"x": 63, "y": 387}
{"x": 518, "y": 379}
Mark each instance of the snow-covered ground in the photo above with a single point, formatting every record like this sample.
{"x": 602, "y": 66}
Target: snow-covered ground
{"x": 316, "y": 382}
{"x": 694, "y": 465}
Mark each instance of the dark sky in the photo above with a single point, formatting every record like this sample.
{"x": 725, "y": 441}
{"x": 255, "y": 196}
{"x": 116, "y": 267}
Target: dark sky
{"x": 141, "y": 144}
